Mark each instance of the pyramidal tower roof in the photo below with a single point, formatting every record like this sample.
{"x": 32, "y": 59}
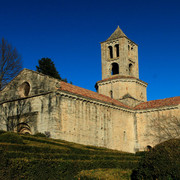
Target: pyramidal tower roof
{"x": 118, "y": 33}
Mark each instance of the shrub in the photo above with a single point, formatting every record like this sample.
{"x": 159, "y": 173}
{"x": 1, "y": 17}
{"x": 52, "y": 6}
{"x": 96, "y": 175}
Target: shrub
{"x": 4, "y": 163}
{"x": 97, "y": 174}
{"x": 2, "y": 132}
{"x": 58, "y": 169}
{"x": 162, "y": 162}
{"x": 33, "y": 148}
{"x": 39, "y": 135}
{"x": 2, "y": 157}
{"x": 11, "y": 137}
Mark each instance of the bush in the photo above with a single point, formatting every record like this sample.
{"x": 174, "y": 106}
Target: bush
{"x": 11, "y": 137}
{"x": 33, "y": 148}
{"x": 4, "y": 163}
{"x": 162, "y": 162}
{"x": 39, "y": 135}
{"x": 2, "y": 132}
{"x": 97, "y": 174}
{"x": 58, "y": 169}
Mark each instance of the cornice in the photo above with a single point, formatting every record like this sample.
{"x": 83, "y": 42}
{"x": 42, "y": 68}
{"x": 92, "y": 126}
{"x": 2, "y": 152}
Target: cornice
{"x": 28, "y": 97}
{"x": 94, "y": 101}
{"x": 122, "y": 79}
{"x": 164, "y": 108}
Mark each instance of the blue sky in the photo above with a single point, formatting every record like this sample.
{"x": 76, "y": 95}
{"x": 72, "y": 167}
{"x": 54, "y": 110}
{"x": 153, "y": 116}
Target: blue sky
{"x": 70, "y": 31}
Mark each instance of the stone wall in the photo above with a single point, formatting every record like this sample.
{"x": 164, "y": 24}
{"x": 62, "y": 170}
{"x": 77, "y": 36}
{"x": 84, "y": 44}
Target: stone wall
{"x": 37, "y": 112}
{"x": 128, "y": 54}
{"x": 37, "y": 103}
{"x": 93, "y": 123}
{"x": 28, "y": 99}
{"x": 123, "y": 86}
{"x": 38, "y": 84}
{"x": 147, "y": 129}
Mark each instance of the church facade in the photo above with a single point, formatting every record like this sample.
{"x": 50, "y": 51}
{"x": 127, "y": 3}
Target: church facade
{"x": 117, "y": 116}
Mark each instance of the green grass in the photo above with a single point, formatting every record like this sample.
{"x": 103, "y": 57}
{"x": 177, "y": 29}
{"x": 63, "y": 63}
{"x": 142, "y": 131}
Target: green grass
{"x": 45, "y": 158}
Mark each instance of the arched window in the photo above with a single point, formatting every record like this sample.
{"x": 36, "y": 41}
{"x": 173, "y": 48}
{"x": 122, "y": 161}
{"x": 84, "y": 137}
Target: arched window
{"x": 24, "y": 89}
{"x": 124, "y": 135}
{"x": 130, "y": 69}
{"x": 148, "y": 147}
{"x": 128, "y": 47}
{"x": 111, "y": 93}
{"x": 115, "y": 69}
{"x": 117, "y": 50}
{"x": 110, "y": 51}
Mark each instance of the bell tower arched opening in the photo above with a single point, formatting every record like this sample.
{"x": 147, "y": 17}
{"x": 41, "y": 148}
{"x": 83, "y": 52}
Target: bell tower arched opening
{"x": 115, "y": 68}
{"x": 110, "y": 51}
{"x": 117, "y": 50}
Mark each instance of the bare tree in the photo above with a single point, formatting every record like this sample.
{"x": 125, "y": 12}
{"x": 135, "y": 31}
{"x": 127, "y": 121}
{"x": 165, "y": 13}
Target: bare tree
{"x": 10, "y": 63}
{"x": 164, "y": 128}
{"x": 16, "y": 115}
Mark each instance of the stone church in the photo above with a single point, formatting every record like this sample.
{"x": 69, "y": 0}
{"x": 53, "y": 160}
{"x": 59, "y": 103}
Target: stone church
{"x": 117, "y": 116}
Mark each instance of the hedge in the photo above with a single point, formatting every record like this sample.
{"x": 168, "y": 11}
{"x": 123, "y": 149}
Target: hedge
{"x": 63, "y": 156}
{"x": 59, "y": 169}
{"x": 32, "y": 149}
{"x": 11, "y": 137}
{"x": 2, "y": 132}
{"x": 162, "y": 162}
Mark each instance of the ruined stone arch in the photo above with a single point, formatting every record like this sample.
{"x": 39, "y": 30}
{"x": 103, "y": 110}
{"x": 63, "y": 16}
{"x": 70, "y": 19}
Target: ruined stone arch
{"x": 23, "y": 128}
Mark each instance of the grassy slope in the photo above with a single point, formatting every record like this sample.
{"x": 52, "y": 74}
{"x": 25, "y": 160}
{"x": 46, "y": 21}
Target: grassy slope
{"x": 45, "y": 158}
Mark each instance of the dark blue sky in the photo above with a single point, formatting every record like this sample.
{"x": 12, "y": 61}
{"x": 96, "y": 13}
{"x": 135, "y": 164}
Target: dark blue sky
{"x": 70, "y": 31}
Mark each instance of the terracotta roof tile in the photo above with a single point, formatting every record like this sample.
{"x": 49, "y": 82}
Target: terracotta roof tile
{"x": 93, "y": 95}
{"x": 159, "y": 103}
{"x": 89, "y": 94}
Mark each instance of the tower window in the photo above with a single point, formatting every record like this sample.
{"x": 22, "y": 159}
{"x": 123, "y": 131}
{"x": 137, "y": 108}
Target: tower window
{"x": 110, "y": 51}
{"x": 117, "y": 50}
{"x": 130, "y": 69}
{"x": 128, "y": 47}
{"x": 115, "y": 69}
{"x": 111, "y": 94}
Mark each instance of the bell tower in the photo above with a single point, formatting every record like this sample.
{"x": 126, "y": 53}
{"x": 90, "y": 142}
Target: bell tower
{"x": 120, "y": 72}
{"x": 119, "y": 56}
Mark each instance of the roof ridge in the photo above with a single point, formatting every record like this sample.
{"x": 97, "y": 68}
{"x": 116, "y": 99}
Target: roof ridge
{"x": 25, "y": 69}
{"x": 164, "y": 98}
{"x": 118, "y": 33}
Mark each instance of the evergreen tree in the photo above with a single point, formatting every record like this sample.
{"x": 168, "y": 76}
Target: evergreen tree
{"x": 47, "y": 67}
